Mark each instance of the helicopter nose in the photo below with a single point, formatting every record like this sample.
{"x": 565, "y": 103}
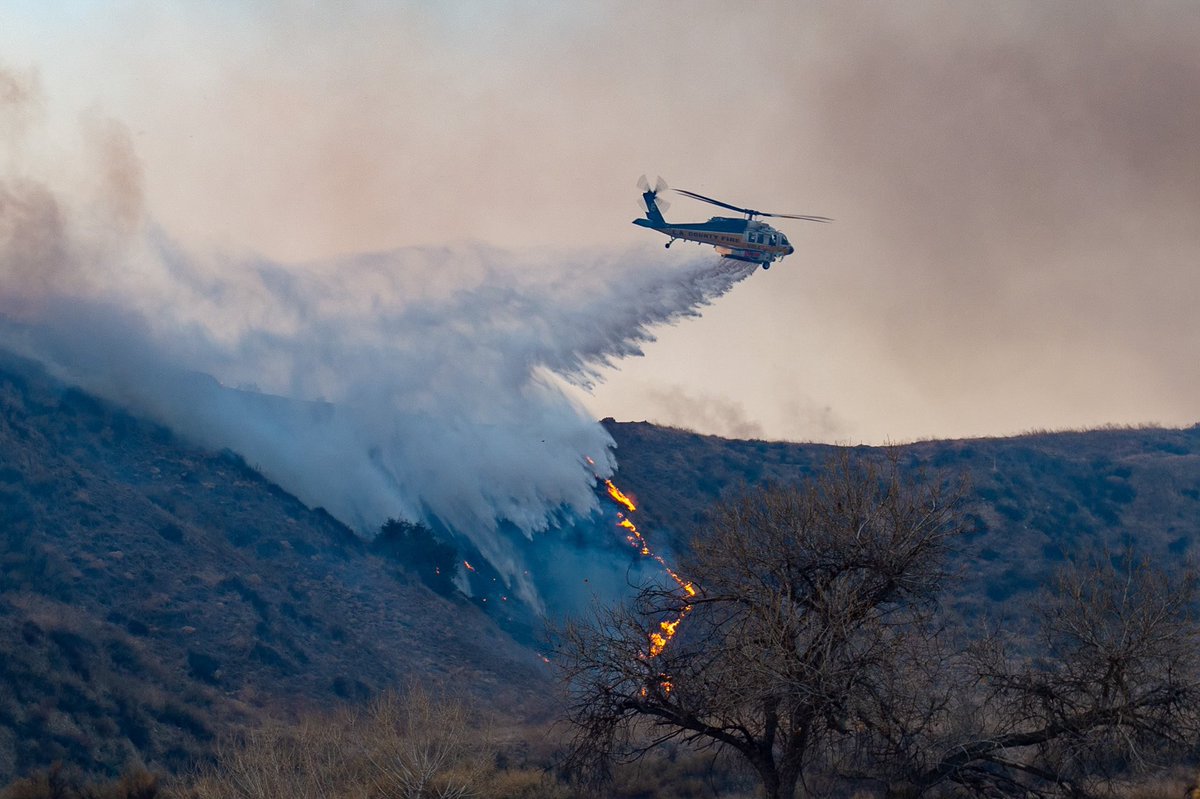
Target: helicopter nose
{"x": 790, "y": 249}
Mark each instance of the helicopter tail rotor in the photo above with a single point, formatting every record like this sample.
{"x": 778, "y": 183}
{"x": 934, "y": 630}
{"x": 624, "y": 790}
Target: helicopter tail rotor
{"x": 660, "y": 185}
{"x": 653, "y": 194}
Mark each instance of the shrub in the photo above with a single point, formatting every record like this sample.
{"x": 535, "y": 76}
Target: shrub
{"x": 417, "y": 547}
{"x": 56, "y": 783}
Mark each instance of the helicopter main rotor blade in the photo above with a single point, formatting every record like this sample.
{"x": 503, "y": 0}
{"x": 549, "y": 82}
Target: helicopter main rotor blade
{"x": 696, "y": 196}
{"x": 798, "y": 216}
{"x": 751, "y": 211}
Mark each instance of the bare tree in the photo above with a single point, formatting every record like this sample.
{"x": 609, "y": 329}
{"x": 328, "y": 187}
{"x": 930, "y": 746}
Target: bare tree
{"x": 308, "y": 761}
{"x": 813, "y": 650}
{"x": 806, "y": 599}
{"x": 1109, "y": 687}
{"x": 427, "y": 748}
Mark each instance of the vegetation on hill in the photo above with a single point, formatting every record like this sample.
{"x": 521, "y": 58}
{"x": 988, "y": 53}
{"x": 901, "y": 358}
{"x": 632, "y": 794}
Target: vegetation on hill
{"x": 155, "y": 595}
{"x": 159, "y": 601}
{"x": 1031, "y": 499}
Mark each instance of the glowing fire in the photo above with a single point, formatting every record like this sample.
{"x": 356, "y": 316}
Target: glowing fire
{"x": 619, "y": 497}
{"x": 470, "y": 568}
{"x": 660, "y": 638}
{"x": 637, "y": 540}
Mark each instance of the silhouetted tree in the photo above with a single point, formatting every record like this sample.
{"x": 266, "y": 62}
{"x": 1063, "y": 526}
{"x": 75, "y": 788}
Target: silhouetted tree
{"x": 814, "y": 650}
{"x": 1109, "y": 686}
{"x": 807, "y": 600}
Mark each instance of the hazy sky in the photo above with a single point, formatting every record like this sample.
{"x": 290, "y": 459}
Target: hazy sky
{"x": 1016, "y": 186}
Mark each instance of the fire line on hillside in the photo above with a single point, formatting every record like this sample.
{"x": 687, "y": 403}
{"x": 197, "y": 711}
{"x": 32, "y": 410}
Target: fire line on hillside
{"x": 660, "y": 638}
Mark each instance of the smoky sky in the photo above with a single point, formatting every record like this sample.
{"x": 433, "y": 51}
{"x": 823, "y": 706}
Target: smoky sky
{"x": 1015, "y": 185}
{"x": 1031, "y": 180}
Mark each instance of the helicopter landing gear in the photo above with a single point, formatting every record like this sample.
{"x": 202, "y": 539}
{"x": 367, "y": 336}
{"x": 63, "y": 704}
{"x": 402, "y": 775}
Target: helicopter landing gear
{"x": 766, "y": 266}
{"x": 667, "y": 246}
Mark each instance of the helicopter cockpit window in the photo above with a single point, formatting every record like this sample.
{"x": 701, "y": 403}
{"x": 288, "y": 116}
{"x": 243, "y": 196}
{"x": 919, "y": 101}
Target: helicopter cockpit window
{"x": 784, "y": 239}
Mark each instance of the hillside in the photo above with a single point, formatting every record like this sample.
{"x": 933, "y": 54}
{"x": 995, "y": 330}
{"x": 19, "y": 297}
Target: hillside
{"x": 154, "y": 593}
{"x": 1033, "y": 499}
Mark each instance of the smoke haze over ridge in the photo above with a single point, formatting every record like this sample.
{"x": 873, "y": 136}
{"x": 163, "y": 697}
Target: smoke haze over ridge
{"x": 1014, "y": 184}
{"x": 424, "y": 382}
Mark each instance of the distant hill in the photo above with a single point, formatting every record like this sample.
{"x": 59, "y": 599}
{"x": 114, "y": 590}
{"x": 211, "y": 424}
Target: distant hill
{"x": 153, "y": 594}
{"x": 1033, "y": 498}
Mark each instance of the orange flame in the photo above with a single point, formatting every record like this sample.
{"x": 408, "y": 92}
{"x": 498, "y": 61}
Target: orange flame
{"x": 619, "y": 496}
{"x": 660, "y": 638}
{"x": 470, "y": 568}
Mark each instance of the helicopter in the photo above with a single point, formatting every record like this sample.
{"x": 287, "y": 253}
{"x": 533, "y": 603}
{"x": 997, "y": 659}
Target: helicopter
{"x": 740, "y": 239}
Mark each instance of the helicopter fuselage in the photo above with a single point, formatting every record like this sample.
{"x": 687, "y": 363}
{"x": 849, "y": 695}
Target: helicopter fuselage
{"x": 743, "y": 239}
{"x": 739, "y": 239}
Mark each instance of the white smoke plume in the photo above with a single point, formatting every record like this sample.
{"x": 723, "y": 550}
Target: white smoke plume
{"x": 418, "y": 383}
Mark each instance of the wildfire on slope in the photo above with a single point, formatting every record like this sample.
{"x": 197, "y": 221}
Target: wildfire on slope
{"x": 619, "y": 496}
{"x": 660, "y": 638}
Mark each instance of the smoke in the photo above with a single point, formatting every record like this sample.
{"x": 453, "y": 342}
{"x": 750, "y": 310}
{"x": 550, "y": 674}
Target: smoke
{"x": 424, "y": 383}
{"x": 712, "y": 414}
{"x": 1023, "y": 181}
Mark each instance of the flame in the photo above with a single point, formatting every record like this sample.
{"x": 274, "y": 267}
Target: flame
{"x": 619, "y": 496}
{"x": 636, "y": 539}
{"x": 660, "y": 638}
{"x": 470, "y": 568}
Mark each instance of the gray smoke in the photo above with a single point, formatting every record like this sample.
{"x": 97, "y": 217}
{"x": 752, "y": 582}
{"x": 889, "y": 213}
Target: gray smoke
{"x": 419, "y": 383}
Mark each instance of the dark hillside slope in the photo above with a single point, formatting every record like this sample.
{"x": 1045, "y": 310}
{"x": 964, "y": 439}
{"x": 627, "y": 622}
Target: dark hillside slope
{"x": 152, "y": 593}
{"x": 1033, "y": 498}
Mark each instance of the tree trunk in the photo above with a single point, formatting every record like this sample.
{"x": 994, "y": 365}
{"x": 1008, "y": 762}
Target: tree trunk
{"x": 787, "y": 783}
{"x": 902, "y": 789}
{"x": 770, "y": 779}
{"x": 778, "y": 783}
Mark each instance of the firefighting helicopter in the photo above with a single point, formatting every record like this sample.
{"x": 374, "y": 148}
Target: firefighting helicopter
{"x": 740, "y": 239}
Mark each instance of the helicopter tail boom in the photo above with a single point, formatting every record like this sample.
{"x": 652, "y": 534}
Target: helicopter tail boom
{"x": 654, "y": 217}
